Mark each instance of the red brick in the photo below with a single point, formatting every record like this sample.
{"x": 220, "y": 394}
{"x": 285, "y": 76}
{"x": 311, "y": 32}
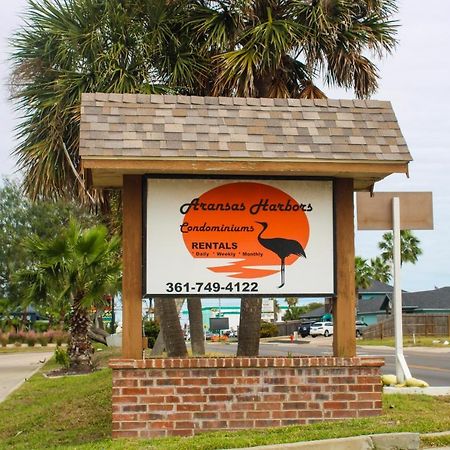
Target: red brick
{"x": 117, "y": 417}
{"x": 234, "y": 415}
{"x": 132, "y": 425}
{"x": 159, "y": 407}
{"x": 189, "y": 407}
{"x": 335, "y": 405}
{"x": 216, "y": 407}
{"x": 230, "y": 373}
{"x": 268, "y": 406}
{"x": 193, "y": 390}
{"x": 216, "y": 424}
{"x": 206, "y": 415}
{"x": 284, "y": 414}
{"x": 294, "y": 405}
{"x": 161, "y": 425}
{"x": 134, "y": 408}
{"x": 160, "y": 390}
{"x": 342, "y": 380}
{"x": 195, "y": 381}
{"x": 369, "y": 380}
{"x": 151, "y": 399}
{"x": 246, "y": 406}
{"x": 172, "y": 399}
{"x": 123, "y": 399}
{"x": 134, "y": 391}
{"x": 235, "y": 424}
{"x": 248, "y": 380}
{"x": 318, "y": 380}
{"x": 361, "y": 404}
{"x": 241, "y": 389}
{"x": 343, "y": 396}
{"x": 220, "y": 398}
{"x": 257, "y": 414}
{"x": 267, "y": 423}
{"x": 185, "y": 425}
{"x": 369, "y": 396}
{"x": 287, "y": 422}
{"x": 215, "y": 390}
{"x": 361, "y": 388}
{"x": 180, "y": 416}
{"x": 194, "y": 398}
{"x": 125, "y": 382}
{"x": 168, "y": 382}
{"x": 186, "y": 432}
{"x": 152, "y": 433}
{"x": 222, "y": 380}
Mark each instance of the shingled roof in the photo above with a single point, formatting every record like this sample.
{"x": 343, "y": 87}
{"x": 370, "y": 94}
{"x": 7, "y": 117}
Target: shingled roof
{"x": 150, "y": 129}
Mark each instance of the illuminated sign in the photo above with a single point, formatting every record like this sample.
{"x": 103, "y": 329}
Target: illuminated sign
{"x": 239, "y": 237}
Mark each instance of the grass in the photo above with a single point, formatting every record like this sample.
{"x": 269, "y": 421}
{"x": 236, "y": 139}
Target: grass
{"x": 26, "y": 349}
{"x": 75, "y": 413}
{"x": 421, "y": 341}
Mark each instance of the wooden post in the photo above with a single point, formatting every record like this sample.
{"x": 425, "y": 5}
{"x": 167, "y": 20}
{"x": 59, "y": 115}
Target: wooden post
{"x": 132, "y": 267}
{"x": 344, "y": 327}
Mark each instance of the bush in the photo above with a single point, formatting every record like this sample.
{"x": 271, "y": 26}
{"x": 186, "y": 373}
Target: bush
{"x": 151, "y": 331}
{"x": 60, "y": 337}
{"x": 62, "y": 357}
{"x": 4, "y": 339}
{"x": 42, "y": 339}
{"x": 40, "y": 326}
{"x": 268, "y": 330}
{"x": 31, "y": 339}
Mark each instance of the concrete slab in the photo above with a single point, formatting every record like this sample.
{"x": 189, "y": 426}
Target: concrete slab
{"x": 432, "y": 390}
{"x": 389, "y": 441}
{"x": 16, "y": 367}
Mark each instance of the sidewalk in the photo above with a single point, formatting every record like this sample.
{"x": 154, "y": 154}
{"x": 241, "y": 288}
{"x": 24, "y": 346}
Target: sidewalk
{"x": 15, "y": 368}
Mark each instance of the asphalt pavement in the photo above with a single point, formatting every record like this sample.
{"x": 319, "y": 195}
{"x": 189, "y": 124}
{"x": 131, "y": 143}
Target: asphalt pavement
{"x": 15, "y": 368}
{"x": 425, "y": 363}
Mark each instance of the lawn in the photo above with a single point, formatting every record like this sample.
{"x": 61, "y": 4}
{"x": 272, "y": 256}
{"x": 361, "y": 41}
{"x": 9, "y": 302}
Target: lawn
{"x": 408, "y": 341}
{"x": 75, "y": 413}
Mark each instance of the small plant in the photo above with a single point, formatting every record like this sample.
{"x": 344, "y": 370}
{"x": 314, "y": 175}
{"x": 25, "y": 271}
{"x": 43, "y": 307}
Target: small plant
{"x": 31, "y": 339}
{"x": 62, "y": 357}
{"x": 60, "y": 338}
{"x": 42, "y": 339}
{"x": 268, "y": 330}
{"x": 4, "y": 339}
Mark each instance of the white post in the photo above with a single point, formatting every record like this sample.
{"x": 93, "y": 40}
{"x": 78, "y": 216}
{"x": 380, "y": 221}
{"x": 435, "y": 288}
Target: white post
{"x": 401, "y": 368}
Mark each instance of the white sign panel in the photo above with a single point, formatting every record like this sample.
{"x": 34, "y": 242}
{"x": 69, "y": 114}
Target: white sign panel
{"x": 239, "y": 237}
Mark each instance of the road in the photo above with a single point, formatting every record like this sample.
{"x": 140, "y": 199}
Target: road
{"x": 16, "y": 367}
{"x": 429, "y": 364}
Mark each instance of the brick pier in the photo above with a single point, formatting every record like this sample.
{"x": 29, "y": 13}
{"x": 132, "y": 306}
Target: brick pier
{"x": 173, "y": 397}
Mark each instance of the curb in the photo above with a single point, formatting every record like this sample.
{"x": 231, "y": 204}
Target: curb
{"x": 388, "y": 441}
{"x": 433, "y": 391}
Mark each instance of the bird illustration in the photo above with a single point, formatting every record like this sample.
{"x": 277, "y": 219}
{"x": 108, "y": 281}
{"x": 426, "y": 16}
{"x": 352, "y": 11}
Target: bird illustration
{"x": 282, "y": 248}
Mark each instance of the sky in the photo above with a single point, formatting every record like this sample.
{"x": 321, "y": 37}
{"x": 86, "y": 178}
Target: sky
{"x": 415, "y": 78}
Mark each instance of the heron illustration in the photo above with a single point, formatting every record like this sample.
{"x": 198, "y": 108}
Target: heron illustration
{"x": 282, "y": 248}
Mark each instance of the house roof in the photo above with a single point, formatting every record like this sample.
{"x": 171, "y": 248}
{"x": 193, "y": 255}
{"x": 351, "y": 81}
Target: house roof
{"x": 377, "y": 287}
{"x": 133, "y": 133}
{"x": 434, "y": 299}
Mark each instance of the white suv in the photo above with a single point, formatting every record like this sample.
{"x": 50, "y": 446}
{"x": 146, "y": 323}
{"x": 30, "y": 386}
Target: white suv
{"x": 321, "y": 329}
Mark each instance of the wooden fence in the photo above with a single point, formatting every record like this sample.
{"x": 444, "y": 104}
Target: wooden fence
{"x": 418, "y": 324}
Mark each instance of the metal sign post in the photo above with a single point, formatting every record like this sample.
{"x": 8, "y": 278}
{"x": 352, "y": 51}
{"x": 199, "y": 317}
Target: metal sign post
{"x": 401, "y": 368}
{"x": 381, "y": 211}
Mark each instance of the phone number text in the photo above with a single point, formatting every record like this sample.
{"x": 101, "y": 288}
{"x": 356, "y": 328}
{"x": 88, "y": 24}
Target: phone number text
{"x": 214, "y": 287}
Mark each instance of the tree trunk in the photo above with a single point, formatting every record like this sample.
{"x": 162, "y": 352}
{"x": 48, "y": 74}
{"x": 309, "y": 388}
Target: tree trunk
{"x": 80, "y": 349}
{"x": 171, "y": 328}
{"x": 249, "y": 327}
{"x": 196, "y": 325}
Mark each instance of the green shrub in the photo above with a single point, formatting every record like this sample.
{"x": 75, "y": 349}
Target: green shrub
{"x": 62, "y": 357}
{"x": 31, "y": 338}
{"x": 268, "y": 330}
{"x": 151, "y": 331}
{"x": 42, "y": 339}
{"x": 4, "y": 339}
{"x": 40, "y": 326}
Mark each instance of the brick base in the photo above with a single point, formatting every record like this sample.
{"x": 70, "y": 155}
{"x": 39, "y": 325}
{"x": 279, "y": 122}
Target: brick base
{"x": 173, "y": 397}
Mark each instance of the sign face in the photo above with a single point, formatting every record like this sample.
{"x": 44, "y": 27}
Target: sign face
{"x": 221, "y": 237}
{"x": 375, "y": 212}
{"x": 219, "y": 323}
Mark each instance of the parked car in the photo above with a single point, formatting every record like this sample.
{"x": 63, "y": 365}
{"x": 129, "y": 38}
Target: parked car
{"x": 360, "y": 328}
{"x": 321, "y": 329}
{"x": 208, "y": 335}
{"x": 304, "y": 328}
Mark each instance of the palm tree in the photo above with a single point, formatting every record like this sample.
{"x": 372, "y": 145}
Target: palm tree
{"x": 381, "y": 270}
{"x": 409, "y": 247}
{"x": 363, "y": 273}
{"x": 79, "y": 266}
{"x": 196, "y": 325}
{"x": 274, "y": 48}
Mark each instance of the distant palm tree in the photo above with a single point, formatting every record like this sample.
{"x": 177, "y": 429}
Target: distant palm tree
{"x": 409, "y": 247}
{"x": 80, "y": 266}
{"x": 363, "y": 273}
{"x": 381, "y": 270}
